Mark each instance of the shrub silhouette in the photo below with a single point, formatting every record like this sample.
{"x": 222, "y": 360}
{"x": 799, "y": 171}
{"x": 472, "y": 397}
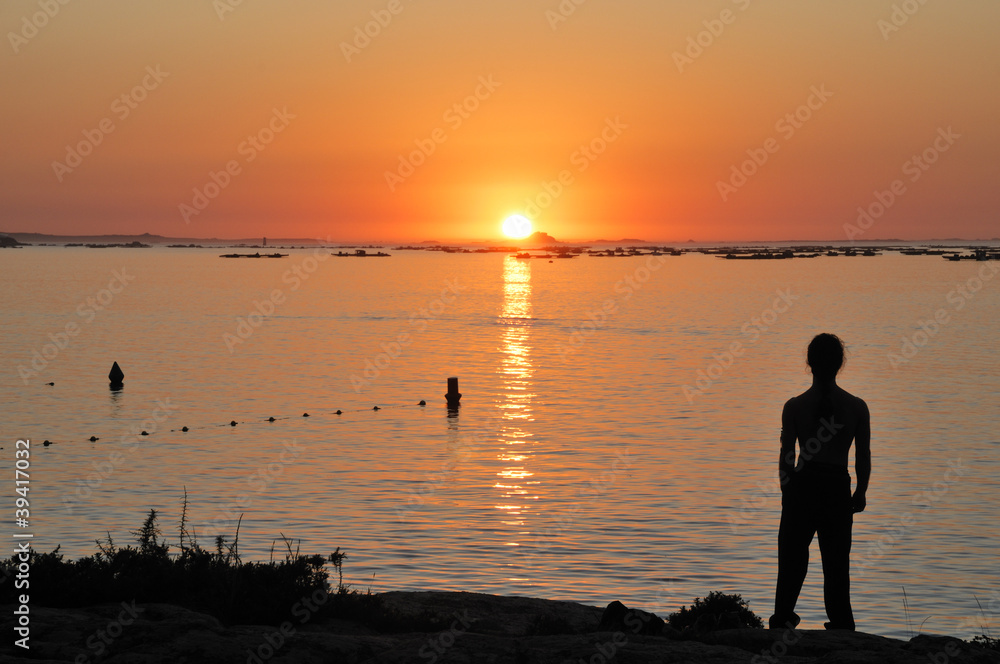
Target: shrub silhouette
{"x": 216, "y": 582}
{"x": 987, "y": 641}
{"x": 715, "y": 604}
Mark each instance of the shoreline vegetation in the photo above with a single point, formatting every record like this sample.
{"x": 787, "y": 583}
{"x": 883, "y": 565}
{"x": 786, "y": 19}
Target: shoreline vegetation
{"x": 142, "y": 603}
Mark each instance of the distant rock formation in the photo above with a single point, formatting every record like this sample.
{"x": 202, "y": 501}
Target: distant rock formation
{"x": 624, "y": 241}
{"x": 538, "y": 239}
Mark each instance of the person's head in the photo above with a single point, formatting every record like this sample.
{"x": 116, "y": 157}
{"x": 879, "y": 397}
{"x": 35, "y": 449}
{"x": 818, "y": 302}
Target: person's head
{"x": 825, "y": 356}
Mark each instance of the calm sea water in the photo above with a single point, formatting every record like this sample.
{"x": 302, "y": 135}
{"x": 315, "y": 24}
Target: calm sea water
{"x": 607, "y": 446}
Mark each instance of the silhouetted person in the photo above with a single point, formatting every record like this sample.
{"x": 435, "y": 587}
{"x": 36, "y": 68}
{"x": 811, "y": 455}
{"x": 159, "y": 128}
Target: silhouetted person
{"x": 816, "y": 491}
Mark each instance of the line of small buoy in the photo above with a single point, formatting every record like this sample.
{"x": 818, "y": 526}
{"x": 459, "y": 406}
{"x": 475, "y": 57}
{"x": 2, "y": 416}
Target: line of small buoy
{"x": 234, "y": 423}
{"x": 117, "y": 380}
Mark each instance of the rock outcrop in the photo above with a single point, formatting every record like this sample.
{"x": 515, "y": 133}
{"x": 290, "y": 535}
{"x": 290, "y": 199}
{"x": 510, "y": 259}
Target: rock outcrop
{"x": 468, "y": 627}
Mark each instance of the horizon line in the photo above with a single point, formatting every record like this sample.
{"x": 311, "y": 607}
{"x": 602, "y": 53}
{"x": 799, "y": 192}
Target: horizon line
{"x": 489, "y": 242}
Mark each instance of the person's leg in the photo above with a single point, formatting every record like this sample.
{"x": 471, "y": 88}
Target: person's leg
{"x": 794, "y": 537}
{"x": 835, "y": 548}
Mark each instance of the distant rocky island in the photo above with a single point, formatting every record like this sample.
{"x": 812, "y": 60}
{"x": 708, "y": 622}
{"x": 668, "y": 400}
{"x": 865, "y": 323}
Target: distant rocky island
{"x": 627, "y": 240}
{"x": 134, "y": 244}
{"x": 7, "y": 242}
{"x": 537, "y": 239}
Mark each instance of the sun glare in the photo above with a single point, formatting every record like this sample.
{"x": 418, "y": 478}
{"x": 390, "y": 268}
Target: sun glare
{"x": 517, "y": 226}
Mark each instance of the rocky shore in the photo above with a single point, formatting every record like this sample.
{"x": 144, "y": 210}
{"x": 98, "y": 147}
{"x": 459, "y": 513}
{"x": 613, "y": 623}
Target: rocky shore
{"x": 468, "y": 627}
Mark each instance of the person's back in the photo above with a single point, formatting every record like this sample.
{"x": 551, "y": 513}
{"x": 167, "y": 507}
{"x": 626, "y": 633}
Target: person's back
{"x": 834, "y": 429}
{"x": 816, "y": 488}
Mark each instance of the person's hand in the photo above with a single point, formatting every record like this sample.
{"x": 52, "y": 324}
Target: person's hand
{"x": 858, "y": 503}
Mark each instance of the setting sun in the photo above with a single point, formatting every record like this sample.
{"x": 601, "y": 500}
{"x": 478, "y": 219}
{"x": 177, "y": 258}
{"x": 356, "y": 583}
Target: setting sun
{"x": 517, "y": 226}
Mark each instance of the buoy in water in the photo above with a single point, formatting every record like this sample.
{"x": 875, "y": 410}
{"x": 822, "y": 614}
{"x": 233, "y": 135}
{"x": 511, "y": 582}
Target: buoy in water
{"x": 233, "y": 423}
{"x": 270, "y": 419}
{"x": 116, "y": 376}
{"x": 93, "y": 438}
{"x": 453, "y": 396}
{"x": 184, "y": 428}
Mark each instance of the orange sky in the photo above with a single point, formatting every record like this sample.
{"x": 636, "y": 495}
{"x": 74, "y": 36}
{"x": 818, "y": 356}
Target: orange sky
{"x": 612, "y": 75}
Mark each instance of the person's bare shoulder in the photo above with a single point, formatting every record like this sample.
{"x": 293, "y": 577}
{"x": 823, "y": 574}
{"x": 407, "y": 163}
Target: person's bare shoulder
{"x": 858, "y": 403}
{"x": 792, "y": 406}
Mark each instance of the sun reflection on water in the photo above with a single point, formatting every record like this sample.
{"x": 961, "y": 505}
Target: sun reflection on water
{"x": 515, "y": 481}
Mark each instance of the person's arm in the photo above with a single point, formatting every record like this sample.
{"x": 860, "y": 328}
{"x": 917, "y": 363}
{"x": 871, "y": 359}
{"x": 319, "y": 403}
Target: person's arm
{"x": 786, "y": 462}
{"x": 862, "y": 458}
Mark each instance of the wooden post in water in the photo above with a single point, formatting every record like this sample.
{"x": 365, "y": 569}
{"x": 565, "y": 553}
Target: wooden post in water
{"x": 453, "y": 396}
{"x": 116, "y": 376}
